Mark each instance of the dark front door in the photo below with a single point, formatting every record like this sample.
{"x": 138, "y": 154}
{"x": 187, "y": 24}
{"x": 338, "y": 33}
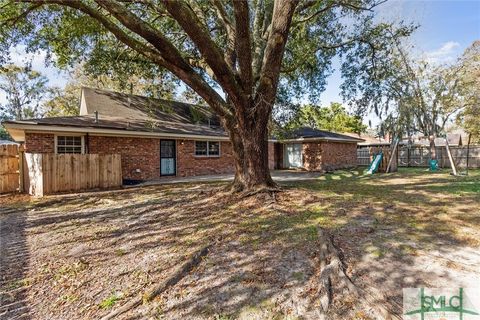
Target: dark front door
{"x": 167, "y": 158}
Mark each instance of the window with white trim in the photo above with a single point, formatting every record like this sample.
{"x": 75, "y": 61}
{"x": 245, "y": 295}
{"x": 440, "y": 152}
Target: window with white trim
{"x": 69, "y": 144}
{"x": 207, "y": 148}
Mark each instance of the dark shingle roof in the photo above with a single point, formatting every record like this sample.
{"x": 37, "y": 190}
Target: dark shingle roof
{"x": 311, "y": 133}
{"x": 134, "y": 125}
{"x": 128, "y": 106}
{"x": 132, "y": 113}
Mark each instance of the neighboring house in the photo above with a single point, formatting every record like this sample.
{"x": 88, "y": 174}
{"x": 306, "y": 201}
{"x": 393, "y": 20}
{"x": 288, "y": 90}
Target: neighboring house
{"x": 463, "y": 135}
{"x": 368, "y": 140}
{"x": 454, "y": 140}
{"x": 158, "y": 138}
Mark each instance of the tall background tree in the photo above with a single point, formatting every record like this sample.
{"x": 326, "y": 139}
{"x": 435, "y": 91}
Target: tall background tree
{"x": 24, "y": 89}
{"x": 411, "y": 94}
{"x": 469, "y": 78}
{"x": 233, "y": 54}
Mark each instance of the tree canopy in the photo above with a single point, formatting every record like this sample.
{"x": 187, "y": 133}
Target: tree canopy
{"x": 332, "y": 118}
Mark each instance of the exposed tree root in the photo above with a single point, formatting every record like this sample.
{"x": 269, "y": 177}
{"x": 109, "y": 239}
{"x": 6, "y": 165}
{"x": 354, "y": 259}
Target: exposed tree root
{"x": 261, "y": 190}
{"x": 335, "y": 282}
{"x": 180, "y": 271}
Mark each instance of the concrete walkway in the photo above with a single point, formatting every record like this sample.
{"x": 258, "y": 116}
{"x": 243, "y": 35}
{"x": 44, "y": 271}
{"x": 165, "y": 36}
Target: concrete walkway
{"x": 277, "y": 175}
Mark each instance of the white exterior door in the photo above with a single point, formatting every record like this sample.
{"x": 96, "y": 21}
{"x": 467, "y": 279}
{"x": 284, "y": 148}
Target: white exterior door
{"x": 293, "y": 155}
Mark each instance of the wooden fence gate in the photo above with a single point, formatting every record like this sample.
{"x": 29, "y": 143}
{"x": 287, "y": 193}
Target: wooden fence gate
{"x": 9, "y": 168}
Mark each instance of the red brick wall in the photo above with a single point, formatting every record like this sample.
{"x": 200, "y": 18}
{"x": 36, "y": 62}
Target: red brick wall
{"x": 143, "y": 154}
{"x": 39, "y": 143}
{"x": 137, "y": 153}
{"x": 329, "y": 155}
{"x": 190, "y": 165}
{"x": 312, "y": 156}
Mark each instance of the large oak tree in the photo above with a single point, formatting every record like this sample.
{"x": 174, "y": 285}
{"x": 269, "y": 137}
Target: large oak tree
{"x": 233, "y": 54}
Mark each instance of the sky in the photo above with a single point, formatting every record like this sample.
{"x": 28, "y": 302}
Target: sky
{"x": 446, "y": 29}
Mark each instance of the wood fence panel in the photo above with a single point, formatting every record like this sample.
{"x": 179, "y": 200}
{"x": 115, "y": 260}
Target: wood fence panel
{"x": 118, "y": 173}
{"x": 363, "y": 156}
{"x": 95, "y": 171}
{"x": 34, "y": 163}
{"x": 9, "y": 168}
{"x": 52, "y": 173}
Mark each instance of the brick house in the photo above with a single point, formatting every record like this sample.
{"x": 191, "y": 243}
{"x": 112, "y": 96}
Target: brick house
{"x": 315, "y": 150}
{"x": 159, "y": 138}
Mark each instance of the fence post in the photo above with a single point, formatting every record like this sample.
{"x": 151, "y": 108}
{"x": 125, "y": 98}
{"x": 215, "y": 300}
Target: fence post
{"x": 21, "y": 160}
{"x": 408, "y": 156}
{"x": 468, "y": 150}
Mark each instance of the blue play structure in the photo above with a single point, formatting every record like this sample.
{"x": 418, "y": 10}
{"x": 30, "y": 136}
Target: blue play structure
{"x": 377, "y": 159}
{"x": 433, "y": 165}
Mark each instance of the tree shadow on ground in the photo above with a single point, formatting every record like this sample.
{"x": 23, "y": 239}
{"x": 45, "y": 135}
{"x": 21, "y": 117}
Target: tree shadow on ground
{"x": 264, "y": 261}
{"x": 14, "y": 259}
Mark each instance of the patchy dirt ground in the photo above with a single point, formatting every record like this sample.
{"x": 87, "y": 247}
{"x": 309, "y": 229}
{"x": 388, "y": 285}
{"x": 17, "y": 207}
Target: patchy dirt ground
{"x": 82, "y": 256}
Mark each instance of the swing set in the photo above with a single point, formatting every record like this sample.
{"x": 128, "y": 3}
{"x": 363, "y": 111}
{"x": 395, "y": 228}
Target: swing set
{"x": 453, "y": 166}
{"x": 386, "y": 159}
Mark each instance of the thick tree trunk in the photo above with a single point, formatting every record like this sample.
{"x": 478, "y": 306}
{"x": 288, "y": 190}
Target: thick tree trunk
{"x": 256, "y": 173}
{"x": 250, "y": 149}
{"x": 433, "y": 152}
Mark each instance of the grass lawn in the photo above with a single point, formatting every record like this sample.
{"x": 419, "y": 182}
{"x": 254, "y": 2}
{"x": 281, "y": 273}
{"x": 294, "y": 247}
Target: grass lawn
{"x": 81, "y": 256}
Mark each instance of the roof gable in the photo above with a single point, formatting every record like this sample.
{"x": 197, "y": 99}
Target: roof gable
{"x": 303, "y": 133}
{"x": 127, "y": 106}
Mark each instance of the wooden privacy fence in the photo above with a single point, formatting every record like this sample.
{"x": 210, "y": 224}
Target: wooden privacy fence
{"x": 9, "y": 168}
{"x": 363, "y": 156}
{"x": 418, "y": 156}
{"x": 50, "y": 173}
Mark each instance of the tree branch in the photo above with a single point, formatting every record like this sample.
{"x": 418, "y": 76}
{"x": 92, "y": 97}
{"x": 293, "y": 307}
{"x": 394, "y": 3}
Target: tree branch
{"x": 243, "y": 43}
{"x": 281, "y": 19}
{"x": 173, "y": 61}
{"x": 207, "y": 47}
{"x": 230, "y": 54}
{"x": 333, "y": 5}
{"x": 261, "y": 25}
